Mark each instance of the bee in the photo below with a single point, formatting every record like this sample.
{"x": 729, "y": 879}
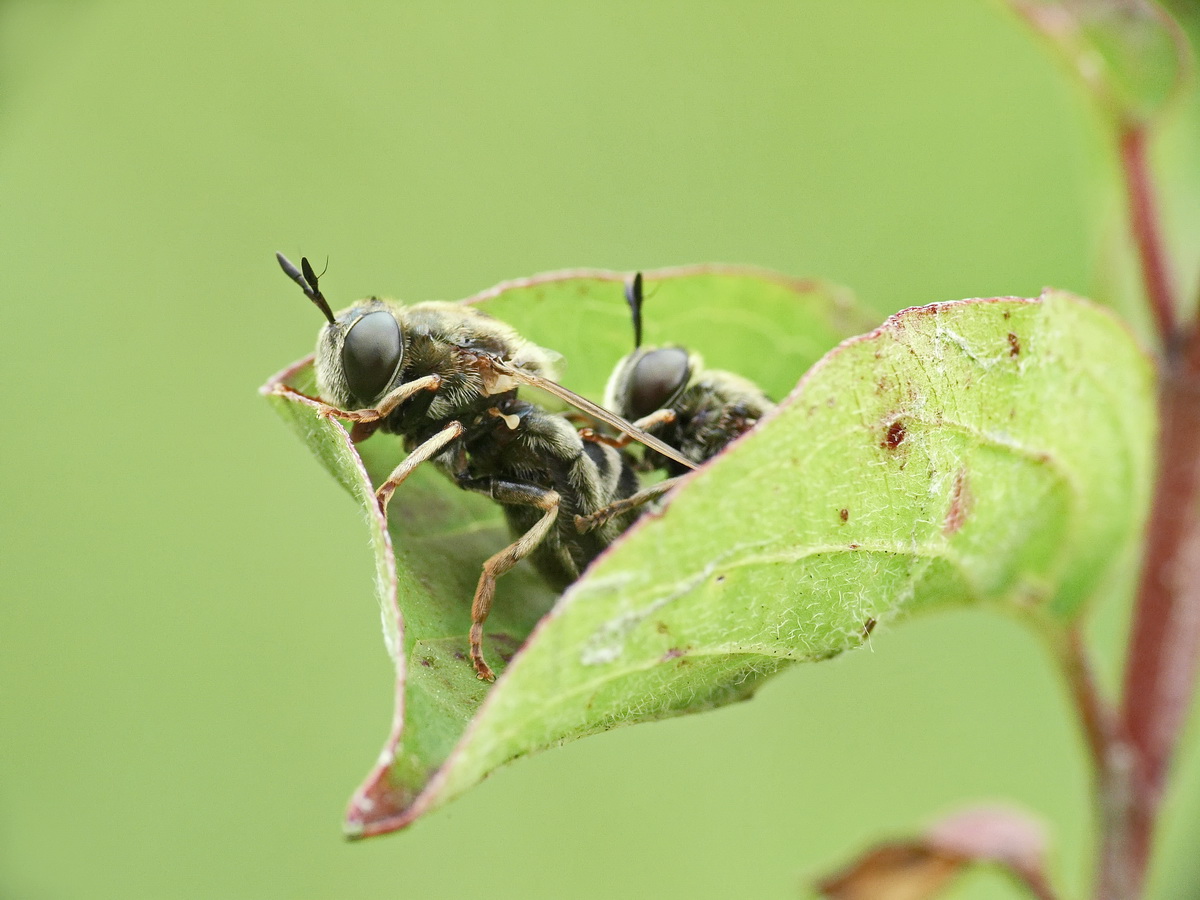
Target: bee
{"x": 444, "y": 377}
{"x": 667, "y": 392}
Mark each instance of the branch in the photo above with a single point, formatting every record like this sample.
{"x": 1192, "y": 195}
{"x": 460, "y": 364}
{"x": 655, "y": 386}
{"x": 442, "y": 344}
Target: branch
{"x": 1144, "y": 224}
{"x": 1097, "y": 715}
{"x": 1164, "y": 646}
{"x": 1165, "y": 640}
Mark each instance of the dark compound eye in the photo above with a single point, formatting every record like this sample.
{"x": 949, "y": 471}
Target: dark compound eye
{"x": 371, "y": 354}
{"x": 657, "y": 379}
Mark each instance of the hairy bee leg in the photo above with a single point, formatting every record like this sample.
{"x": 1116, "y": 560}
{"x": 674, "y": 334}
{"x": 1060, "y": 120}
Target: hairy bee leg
{"x": 393, "y": 399}
{"x": 420, "y": 454}
{"x": 510, "y": 493}
{"x": 406, "y": 391}
{"x": 656, "y": 418}
{"x": 604, "y": 513}
{"x": 324, "y": 410}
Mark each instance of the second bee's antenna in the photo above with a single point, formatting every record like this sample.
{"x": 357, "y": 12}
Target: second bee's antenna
{"x": 307, "y": 279}
{"x": 633, "y": 296}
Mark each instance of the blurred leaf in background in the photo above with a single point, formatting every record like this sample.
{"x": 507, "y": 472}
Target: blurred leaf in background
{"x": 191, "y": 665}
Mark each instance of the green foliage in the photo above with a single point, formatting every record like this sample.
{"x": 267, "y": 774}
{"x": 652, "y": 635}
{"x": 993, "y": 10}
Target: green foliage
{"x": 984, "y": 451}
{"x": 1130, "y": 54}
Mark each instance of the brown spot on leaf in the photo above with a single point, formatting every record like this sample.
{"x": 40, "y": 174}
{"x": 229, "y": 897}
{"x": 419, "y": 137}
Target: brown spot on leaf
{"x": 673, "y": 653}
{"x": 661, "y": 628}
{"x": 855, "y": 546}
{"x": 1007, "y": 314}
{"x": 961, "y": 501}
{"x": 505, "y": 645}
{"x": 844, "y": 514}
{"x": 895, "y": 436}
{"x": 1014, "y": 345}
{"x": 427, "y": 662}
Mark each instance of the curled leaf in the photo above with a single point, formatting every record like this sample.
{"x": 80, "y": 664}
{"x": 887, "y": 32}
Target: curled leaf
{"x": 983, "y": 451}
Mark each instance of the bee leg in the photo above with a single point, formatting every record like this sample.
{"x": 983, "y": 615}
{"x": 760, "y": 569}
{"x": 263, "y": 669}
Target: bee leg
{"x": 604, "y": 513}
{"x": 420, "y": 454}
{"x": 509, "y": 493}
{"x": 595, "y": 437}
{"x": 390, "y": 401}
{"x": 656, "y": 418}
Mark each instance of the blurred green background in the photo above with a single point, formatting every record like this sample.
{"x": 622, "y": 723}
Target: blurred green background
{"x": 192, "y": 673}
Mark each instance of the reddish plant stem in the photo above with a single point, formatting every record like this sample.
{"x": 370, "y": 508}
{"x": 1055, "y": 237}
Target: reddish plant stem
{"x": 1164, "y": 644}
{"x": 1111, "y": 756}
{"x": 1125, "y": 831}
{"x": 1039, "y": 886}
{"x": 1164, "y": 648}
{"x": 1097, "y": 715}
{"x": 1144, "y": 225}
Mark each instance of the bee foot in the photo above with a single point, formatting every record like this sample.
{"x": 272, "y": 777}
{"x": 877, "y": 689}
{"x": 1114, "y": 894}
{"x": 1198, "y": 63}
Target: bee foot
{"x": 584, "y": 524}
{"x": 482, "y": 670}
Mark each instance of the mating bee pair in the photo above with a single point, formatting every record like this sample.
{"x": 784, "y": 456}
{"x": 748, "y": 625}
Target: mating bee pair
{"x": 445, "y": 378}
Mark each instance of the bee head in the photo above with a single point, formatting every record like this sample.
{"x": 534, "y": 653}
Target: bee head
{"x": 359, "y": 351}
{"x": 649, "y": 378}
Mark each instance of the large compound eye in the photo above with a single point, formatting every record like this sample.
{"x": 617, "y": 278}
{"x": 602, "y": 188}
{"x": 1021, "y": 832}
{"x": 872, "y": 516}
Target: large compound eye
{"x": 371, "y": 354}
{"x": 658, "y": 378}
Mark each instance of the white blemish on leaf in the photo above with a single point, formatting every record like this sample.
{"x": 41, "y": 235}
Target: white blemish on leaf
{"x": 607, "y": 642}
{"x": 949, "y": 336}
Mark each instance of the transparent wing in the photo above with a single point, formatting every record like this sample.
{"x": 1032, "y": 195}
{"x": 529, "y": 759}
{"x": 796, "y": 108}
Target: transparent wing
{"x": 587, "y": 406}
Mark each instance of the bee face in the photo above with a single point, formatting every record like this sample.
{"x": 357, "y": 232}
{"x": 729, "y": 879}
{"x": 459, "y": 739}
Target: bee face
{"x": 670, "y": 393}
{"x": 360, "y": 355}
{"x": 371, "y": 354}
{"x": 649, "y": 379}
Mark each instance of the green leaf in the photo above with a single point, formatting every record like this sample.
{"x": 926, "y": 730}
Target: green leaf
{"x": 1130, "y": 54}
{"x": 984, "y": 451}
